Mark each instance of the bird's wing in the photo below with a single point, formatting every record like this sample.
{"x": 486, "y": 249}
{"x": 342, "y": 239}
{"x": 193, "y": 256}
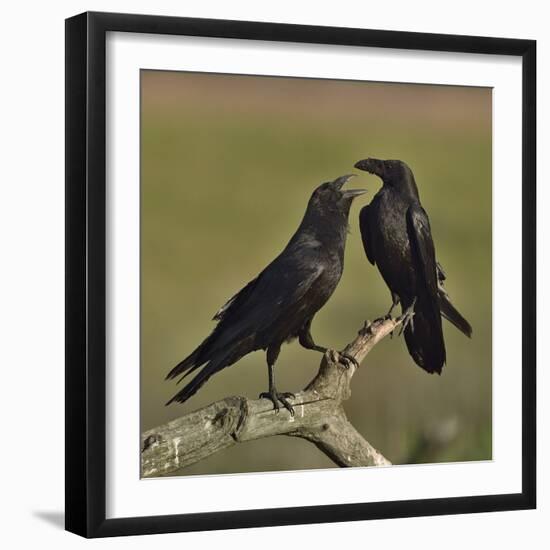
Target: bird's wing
{"x": 272, "y": 299}
{"x": 282, "y": 282}
{"x": 425, "y": 339}
{"x": 420, "y": 236}
{"x": 234, "y": 302}
{"x": 272, "y": 296}
{"x": 366, "y": 235}
{"x": 250, "y": 318}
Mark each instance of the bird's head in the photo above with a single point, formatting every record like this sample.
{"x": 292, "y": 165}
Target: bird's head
{"x": 394, "y": 173}
{"x": 330, "y": 199}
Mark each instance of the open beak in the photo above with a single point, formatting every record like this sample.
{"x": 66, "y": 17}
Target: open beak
{"x": 348, "y": 193}
{"x": 352, "y": 193}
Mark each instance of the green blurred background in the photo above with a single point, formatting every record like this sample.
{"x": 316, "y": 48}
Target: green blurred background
{"x": 228, "y": 163}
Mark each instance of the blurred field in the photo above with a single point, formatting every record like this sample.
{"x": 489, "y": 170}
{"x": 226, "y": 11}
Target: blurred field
{"x": 228, "y": 164}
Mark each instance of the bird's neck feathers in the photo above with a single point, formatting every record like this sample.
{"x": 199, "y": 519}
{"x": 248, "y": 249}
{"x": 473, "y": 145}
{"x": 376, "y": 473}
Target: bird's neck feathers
{"x": 327, "y": 228}
{"x": 405, "y": 186}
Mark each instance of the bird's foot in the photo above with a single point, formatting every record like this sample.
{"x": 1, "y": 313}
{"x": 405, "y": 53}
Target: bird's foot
{"x": 346, "y": 360}
{"x": 407, "y": 318}
{"x": 377, "y": 321}
{"x": 275, "y": 397}
{"x": 395, "y": 301}
{"x": 387, "y": 317}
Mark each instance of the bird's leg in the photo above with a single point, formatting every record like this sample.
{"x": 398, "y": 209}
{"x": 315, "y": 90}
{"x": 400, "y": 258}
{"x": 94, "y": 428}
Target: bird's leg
{"x": 306, "y": 340}
{"x": 394, "y": 302}
{"x": 272, "y": 394}
{"x": 407, "y": 318}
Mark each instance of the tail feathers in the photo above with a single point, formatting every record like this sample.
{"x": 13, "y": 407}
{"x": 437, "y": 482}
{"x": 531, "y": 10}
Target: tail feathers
{"x": 200, "y": 379}
{"x": 424, "y": 338}
{"x": 451, "y": 314}
{"x": 199, "y": 357}
{"x": 190, "y": 363}
{"x": 215, "y": 353}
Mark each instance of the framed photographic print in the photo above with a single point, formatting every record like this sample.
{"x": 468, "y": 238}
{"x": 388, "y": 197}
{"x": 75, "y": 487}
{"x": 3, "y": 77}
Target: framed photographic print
{"x": 300, "y": 274}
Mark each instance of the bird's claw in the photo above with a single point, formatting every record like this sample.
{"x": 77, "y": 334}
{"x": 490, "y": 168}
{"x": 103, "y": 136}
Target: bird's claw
{"x": 376, "y": 321}
{"x": 275, "y": 397}
{"x": 407, "y": 318}
{"x": 345, "y": 359}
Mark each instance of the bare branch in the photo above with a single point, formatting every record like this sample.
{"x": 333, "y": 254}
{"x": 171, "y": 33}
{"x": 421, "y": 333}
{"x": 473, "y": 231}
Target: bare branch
{"x": 319, "y": 418}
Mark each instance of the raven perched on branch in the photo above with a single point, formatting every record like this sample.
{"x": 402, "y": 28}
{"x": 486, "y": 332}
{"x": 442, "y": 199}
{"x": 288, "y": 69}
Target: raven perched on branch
{"x": 397, "y": 238}
{"x": 280, "y": 303}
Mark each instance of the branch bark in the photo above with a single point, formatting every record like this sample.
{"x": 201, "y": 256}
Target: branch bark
{"x": 319, "y": 418}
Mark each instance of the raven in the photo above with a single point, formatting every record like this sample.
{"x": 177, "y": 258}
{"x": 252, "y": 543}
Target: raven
{"x": 396, "y": 236}
{"x": 280, "y": 303}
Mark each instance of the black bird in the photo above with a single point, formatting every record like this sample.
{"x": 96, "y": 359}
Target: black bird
{"x": 280, "y": 303}
{"x": 397, "y": 238}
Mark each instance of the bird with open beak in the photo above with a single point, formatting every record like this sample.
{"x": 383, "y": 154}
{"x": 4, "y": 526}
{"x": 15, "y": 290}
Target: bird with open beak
{"x": 281, "y": 302}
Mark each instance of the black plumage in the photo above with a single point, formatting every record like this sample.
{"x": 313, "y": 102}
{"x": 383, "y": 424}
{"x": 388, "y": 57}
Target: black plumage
{"x": 280, "y": 303}
{"x": 397, "y": 238}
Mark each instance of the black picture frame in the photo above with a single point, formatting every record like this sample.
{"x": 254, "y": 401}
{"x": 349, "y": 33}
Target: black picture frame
{"x": 86, "y": 273}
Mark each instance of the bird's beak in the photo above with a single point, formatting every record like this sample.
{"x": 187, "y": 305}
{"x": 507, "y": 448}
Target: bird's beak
{"x": 348, "y": 193}
{"x": 352, "y": 193}
{"x": 372, "y": 166}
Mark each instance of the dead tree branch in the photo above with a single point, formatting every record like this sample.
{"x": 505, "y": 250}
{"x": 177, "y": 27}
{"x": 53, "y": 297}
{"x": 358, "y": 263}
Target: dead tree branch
{"x": 319, "y": 418}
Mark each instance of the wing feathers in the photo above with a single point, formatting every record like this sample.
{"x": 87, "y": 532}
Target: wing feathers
{"x": 366, "y": 234}
{"x": 425, "y": 341}
{"x": 244, "y": 321}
